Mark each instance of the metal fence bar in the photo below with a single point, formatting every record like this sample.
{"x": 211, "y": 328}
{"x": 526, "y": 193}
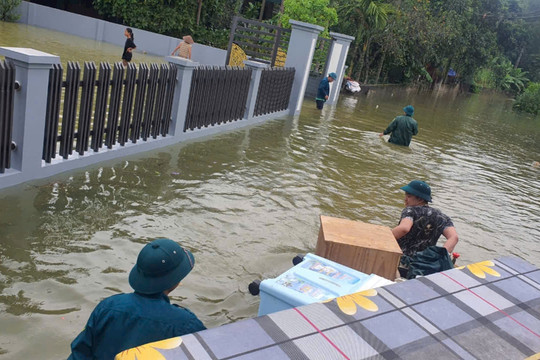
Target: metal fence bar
{"x": 213, "y": 110}
{"x": 52, "y": 114}
{"x": 243, "y": 88}
{"x": 218, "y": 95}
{"x": 150, "y": 100}
{"x": 85, "y": 113}
{"x": 142, "y": 85}
{"x": 7, "y": 89}
{"x": 200, "y": 98}
{"x": 127, "y": 104}
{"x": 274, "y": 90}
{"x": 171, "y": 85}
{"x": 114, "y": 105}
{"x": 102, "y": 95}
{"x": 144, "y": 97}
{"x": 191, "y": 102}
{"x": 231, "y": 93}
{"x": 160, "y": 100}
{"x": 229, "y": 45}
{"x": 70, "y": 109}
{"x": 223, "y": 96}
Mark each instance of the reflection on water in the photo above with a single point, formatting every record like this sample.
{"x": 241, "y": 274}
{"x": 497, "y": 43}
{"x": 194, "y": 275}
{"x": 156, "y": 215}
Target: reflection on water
{"x": 246, "y": 202}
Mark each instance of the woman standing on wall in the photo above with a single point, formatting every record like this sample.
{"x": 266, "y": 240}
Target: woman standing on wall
{"x": 184, "y": 48}
{"x": 128, "y": 47}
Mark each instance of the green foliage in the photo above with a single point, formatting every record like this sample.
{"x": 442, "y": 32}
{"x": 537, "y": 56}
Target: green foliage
{"x": 403, "y": 38}
{"x": 484, "y": 79}
{"x": 252, "y": 11}
{"x": 161, "y": 16}
{"x": 174, "y": 17}
{"x": 316, "y": 12}
{"x": 7, "y": 8}
{"x": 529, "y": 101}
{"x": 217, "y": 38}
{"x": 506, "y": 77}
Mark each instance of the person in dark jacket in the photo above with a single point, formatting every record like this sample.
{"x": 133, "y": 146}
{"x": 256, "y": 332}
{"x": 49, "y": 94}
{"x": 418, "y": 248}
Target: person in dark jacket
{"x": 402, "y": 128}
{"x": 420, "y": 225}
{"x": 324, "y": 90}
{"x": 129, "y": 46}
{"x": 124, "y": 321}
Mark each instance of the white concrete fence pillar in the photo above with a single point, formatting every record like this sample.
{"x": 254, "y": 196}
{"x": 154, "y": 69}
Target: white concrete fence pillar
{"x": 256, "y": 72}
{"x": 30, "y": 105}
{"x": 181, "y": 93}
{"x": 336, "y": 63}
{"x": 299, "y": 56}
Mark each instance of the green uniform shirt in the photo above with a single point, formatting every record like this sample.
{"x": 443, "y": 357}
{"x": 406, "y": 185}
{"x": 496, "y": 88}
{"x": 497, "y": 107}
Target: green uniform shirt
{"x": 402, "y": 128}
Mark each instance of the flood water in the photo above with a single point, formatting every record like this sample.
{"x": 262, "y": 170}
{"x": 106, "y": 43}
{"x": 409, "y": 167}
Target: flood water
{"x": 245, "y": 202}
{"x": 68, "y": 47}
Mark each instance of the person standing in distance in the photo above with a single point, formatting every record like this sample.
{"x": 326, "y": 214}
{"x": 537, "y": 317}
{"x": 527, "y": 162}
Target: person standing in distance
{"x": 128, "y": 47}
{"x": 402, "y": 128}
{"x": 324, "y": 90}
{"x": 124, "y": 321}
{"x": 184, "y": 48}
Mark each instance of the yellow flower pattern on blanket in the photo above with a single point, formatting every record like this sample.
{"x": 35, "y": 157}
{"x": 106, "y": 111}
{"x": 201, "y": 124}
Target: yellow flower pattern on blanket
{"x": 348, "y": 303}
{"x": 149, "y": 351}
{"x": 480, "y": 269}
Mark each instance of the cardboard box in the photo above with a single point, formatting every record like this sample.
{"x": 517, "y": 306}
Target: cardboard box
{"x": 371, "y": 249}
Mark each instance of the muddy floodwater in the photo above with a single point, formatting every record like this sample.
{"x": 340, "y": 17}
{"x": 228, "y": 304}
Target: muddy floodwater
{"x": 246, "y": 202}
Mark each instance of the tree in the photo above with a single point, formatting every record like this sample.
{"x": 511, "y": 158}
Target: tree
{"x": 316, "y": 12}
{"x": 364, "y": 18}
{"x": 209, "y": 23}
{"x": 7, "y": 8}
{"x": 162, "y": 16}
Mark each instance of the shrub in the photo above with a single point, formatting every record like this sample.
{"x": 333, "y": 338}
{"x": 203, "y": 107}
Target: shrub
{"x": 529, "y": 101}
{"x": 7, "y": 8}
{"x": 484, "y": 78}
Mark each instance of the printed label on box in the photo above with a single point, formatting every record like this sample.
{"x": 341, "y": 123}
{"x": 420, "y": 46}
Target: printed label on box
{"x": 329, "y": 271}
{"x": 302, "y": 286}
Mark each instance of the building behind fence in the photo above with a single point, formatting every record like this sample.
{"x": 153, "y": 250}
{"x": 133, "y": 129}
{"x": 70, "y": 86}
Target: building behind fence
{"x": 54, "y": 120}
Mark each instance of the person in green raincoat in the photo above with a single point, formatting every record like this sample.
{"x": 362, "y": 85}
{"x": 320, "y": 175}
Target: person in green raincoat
{"x": 402, "y": 128}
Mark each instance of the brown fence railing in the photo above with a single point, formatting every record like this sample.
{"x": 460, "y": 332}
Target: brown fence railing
{"x": 274, "y": 90}
{"x": 134, "y": 104}
{"x": 7, "y": 90}
{"x": 218, "y": 95}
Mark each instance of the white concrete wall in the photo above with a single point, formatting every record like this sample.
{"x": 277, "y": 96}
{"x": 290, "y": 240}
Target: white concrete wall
{"x": 100, "y": 30}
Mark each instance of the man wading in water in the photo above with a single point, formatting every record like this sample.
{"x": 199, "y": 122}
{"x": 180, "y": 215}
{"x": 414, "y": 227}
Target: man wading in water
{"x": 324, "y": 90}
{"x": 124, "y": 321}
{"x": 402, "y": 128}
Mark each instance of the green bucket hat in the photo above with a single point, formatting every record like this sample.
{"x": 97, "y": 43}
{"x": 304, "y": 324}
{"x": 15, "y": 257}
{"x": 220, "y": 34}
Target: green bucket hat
{"x": 418, "y": 188}
{"x": 161, "y": 264}
{"x": 333, "y": 75}
{"x": 409, "y": 110}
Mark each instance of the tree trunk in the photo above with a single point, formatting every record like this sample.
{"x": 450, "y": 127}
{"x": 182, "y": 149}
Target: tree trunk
{"x": 199, "y": 11}
{"x": 365, "y": 56}
{"x": 353, "y": 57}
{"x": 519, "y": 57}
{"x": 379, "y": 69}
{"x": 261, "y": 13}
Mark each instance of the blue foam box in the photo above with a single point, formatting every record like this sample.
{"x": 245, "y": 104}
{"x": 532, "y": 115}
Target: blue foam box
{"x": 315, "y": 279}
